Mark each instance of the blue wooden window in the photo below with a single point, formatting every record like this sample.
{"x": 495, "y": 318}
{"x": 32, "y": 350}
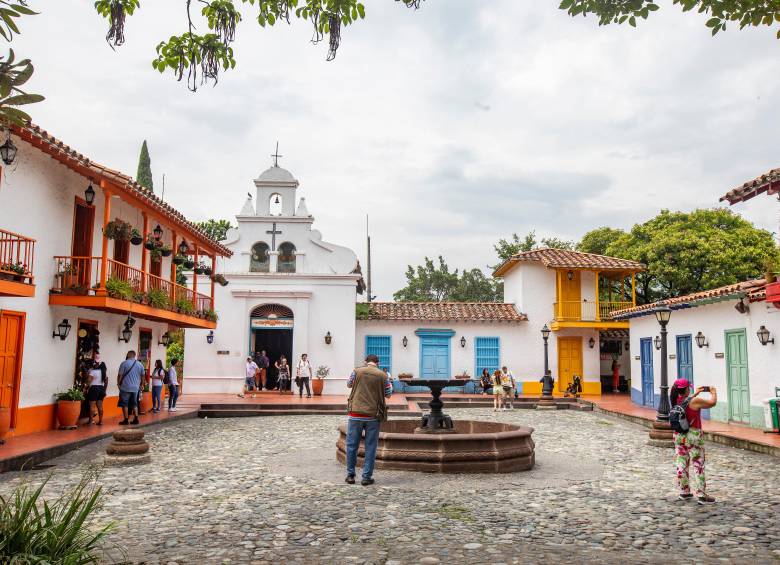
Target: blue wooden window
{"x": 488, "y": 355}
{"x": 382, "y": 347}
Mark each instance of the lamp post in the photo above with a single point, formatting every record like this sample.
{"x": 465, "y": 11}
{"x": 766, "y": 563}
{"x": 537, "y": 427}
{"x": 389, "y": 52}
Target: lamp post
{"x": 661, "y": 433}
{"x": 546, "y": 401}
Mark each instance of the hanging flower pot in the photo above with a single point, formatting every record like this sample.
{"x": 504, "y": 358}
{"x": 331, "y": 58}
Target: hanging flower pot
{"x": 178, "y": 259}
{"x": 149, "y": 244}
{"x": 198, "y": 270}
{"x": 136, "y": 238}
{"x": 207, "y": 271}
{"x": 166, "y": 251}
{"x": 189, "y": 264}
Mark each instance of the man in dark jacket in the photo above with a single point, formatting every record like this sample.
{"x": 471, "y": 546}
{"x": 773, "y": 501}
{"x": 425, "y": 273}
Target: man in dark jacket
{"x": 367, "y": 410}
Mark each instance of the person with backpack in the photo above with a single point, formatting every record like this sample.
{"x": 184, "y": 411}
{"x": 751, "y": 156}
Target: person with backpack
{"x": 173, "y": 385}
{"x": 131, "y": 372}
{"x": 685, "y": 420}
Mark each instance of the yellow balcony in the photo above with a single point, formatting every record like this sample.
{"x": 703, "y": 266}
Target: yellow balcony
{"x": 128, "y": 290}
{"x": 575, "y": 314}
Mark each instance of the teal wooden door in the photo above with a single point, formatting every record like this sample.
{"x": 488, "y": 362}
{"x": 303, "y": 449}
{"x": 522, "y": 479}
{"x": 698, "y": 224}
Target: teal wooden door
{"x": 737, "y": 376}
{"x": 435, "y": 359}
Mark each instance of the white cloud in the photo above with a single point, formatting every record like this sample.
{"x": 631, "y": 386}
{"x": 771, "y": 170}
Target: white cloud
{"x": 451, "y": 126}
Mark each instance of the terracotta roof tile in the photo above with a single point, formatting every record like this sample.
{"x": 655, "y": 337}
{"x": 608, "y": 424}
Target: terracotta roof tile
{"x": 753, "y": 290}
{"x": 43, "y": 140}
{"x": 768, "y": 182}
{"x": 445, "y": 311}
{"x": 565, "y": 259}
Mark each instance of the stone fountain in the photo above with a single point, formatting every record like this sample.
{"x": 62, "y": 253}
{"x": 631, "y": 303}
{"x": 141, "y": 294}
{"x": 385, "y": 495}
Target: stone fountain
{"x": 439, "y": 444}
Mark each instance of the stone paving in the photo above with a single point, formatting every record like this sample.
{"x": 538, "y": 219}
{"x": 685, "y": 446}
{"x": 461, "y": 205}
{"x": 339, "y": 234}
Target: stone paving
{"x": 265, "y": 490}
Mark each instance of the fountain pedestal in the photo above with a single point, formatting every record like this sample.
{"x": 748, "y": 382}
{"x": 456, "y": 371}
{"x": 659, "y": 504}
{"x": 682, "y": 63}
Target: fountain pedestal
{"x": 436, "y": 421}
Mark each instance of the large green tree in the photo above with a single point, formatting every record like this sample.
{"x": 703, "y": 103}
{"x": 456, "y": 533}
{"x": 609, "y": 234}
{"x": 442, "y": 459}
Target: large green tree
{"x": 506, "y": 248}
{"x": 436, "y": 283}
{"x": 597, "y": 241}
{"x": 689, "y": 252}
{"x": 144, "y": 174}
{"x": 216, "y": 229}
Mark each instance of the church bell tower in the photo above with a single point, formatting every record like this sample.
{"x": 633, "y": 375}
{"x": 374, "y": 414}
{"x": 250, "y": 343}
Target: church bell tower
{"x": 276, "y": 190}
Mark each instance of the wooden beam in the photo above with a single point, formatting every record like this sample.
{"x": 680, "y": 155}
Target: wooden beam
{"x": 195, "y": 279}
{"x": 107, "y": 194}
{"x": 633, "y": 289}
{"x": 213, "y": 272}
{"x": 144, "y": 252}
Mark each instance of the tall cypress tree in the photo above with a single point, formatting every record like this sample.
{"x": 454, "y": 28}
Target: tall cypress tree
{"x": 144, "y": 175}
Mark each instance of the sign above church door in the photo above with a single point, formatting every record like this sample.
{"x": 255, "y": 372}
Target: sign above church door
{"x": 272, "y": 323}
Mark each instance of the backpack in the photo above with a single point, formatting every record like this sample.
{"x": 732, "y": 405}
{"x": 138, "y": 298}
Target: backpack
{"x": 166, "y": 378}
{"x": 677, "y": 418}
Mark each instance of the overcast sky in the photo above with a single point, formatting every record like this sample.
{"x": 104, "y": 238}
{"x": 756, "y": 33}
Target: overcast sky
{"x": 452, "y": 126}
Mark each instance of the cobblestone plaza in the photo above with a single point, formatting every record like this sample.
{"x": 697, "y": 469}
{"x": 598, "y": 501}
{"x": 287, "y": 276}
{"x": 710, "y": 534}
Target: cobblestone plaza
{"x": 268, "y": 490}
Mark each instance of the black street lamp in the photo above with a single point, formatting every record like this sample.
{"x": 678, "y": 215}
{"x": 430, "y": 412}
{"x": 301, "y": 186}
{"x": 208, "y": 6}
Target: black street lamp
{"x": 545, "y": 337}
{"x": 546, "y": 402}
{"x": 661, "y": 433}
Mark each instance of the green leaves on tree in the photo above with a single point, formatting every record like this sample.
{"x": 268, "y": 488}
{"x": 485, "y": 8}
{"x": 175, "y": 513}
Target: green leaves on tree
{"x": 13, "y": 75}
{"x": 189, "y": 52}
{"x": 435, "y": 283}
{"x": 116, "y": 11}
{"x": 215, "y": 229}
{"x": 144, "y": 174}
{"x": 744, "y": 12}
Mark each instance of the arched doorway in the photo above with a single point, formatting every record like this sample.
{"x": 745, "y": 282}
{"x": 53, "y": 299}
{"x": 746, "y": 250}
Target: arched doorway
{"x": 271, "y": 330}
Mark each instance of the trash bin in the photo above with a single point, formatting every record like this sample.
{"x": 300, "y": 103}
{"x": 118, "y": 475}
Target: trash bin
{"x": 771, "y": 417}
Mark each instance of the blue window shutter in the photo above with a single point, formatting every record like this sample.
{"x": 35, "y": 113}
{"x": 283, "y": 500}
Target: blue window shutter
{"x": 487, "y": 351}
{"x": 382, "y": 347}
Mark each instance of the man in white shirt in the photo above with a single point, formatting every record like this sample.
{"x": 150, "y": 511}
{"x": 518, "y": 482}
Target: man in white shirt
{"x": 251, "y": 371}
{"x": 303, "y": 375}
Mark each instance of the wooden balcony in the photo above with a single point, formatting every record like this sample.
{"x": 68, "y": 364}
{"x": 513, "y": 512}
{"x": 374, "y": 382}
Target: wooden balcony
{"x": 574, "y": 314}
{"x": 17, "y": 255}
{"x": 128, "y": 290}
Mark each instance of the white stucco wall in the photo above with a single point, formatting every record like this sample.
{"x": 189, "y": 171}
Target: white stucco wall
{"x": 36, "y": 200}
{"x": 709, "y": 368}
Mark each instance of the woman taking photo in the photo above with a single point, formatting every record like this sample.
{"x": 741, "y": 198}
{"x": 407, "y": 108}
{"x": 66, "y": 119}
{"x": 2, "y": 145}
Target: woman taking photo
{"x": 283, "y": 373}
{"x": 498, "y": 391}
{"x": 689, "y": 446}
{"x": 485, "y": 381}
{"x": 97, "y": 380}
{"x": 158, "y": 376}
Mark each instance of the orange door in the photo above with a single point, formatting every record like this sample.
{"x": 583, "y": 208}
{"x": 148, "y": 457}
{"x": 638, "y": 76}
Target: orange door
{"x": 11, "y": 342}
{"x": 83, "y": 223}
{"x": 569, "y": 360}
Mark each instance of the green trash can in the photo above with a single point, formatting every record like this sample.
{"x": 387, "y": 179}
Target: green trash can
{"x": 773, "y": 409}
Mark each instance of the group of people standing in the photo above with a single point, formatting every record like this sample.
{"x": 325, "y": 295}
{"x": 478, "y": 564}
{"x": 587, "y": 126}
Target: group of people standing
{"x": 503, "y": 385}
{"x": 257, "y": 374}
{"x": 131, "y": 378}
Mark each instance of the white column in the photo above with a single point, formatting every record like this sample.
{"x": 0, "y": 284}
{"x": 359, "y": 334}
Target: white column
{"x": 299, "y": 261}
{"x": 274, "y": 258}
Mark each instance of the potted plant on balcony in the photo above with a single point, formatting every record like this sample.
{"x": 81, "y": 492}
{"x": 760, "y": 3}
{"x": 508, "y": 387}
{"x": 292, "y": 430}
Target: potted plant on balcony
{"x": 207, "y": 270}
{"x": 152, "y": 243}
{"x": 179, "y": 259}
{"x": 198, "y": 269}
{"x": 135, "y": 237}
{"x": 320, "y": 375}
{"x": 13, "y": 271}
{"x": 117, "y": 288}
{"x": 210, "y": 314}
{"x": 220, "y": 279}
{"x": 165, "y": 251}
{"x": 68, "y": 277}
{"x": 184, "y": 306}
{"x": 188, "y": 263}
{"x": 69, "y": 408}
{"x": 157, "y": 298}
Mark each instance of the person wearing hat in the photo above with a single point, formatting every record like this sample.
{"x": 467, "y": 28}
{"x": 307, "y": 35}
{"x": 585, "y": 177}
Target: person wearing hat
{"x": 689, "y": 447}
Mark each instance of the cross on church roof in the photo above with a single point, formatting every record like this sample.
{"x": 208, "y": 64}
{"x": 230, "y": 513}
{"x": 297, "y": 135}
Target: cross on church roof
{"x": 276, "y": 155}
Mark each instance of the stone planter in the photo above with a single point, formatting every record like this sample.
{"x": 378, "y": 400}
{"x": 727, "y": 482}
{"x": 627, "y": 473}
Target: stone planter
{"x": 5, "y": 421}
{"x": 68, "y": 413}
{"x": 316, "y": 386}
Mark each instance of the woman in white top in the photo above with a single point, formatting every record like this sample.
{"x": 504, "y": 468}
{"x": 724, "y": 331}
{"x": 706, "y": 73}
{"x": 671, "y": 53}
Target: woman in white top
{"x": 97, "y": 379}
{"x": 158, "y": 376}
{"x": 173, "y": 386}
{"x": 303, "y": 375}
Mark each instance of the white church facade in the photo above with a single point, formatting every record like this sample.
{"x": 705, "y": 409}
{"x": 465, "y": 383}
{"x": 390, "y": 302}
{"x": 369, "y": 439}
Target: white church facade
{"x": 289, "y": 292}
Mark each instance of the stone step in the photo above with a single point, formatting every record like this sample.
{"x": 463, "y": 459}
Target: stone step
{"x": 255, "y": 412}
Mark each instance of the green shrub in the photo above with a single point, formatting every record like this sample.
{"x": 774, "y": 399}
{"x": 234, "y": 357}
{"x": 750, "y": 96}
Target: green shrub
{"x": 210, "y": 315}
{"x": 185, "y": 306}
{"x": 61, "y": 531}
{"x": 361, "y": 311}
{"x": 158, "y": 298}
{"x": 118, "y": 288}
{"x": 70, "y": 394}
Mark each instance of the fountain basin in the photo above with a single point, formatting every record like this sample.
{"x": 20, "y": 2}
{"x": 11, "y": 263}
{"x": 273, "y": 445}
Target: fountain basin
{"x": 472, "y": 447}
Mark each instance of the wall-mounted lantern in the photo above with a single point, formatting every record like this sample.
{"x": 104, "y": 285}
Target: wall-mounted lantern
{"x": 570, "y": 275}
{"x": 126, "y": 334}
{"x": 328, "y": 338}
{"x": 591, "y": 343}
{"x": 701, "y": 340}
{"x": 183, "y": 248}
{"x": 763, "y": 336}
{"x": 8, "y": 150}
{"x": 210, "y": 337}
{"x": 463, "y": 341}
{"x": 165, "y": 339}
{"x": 657, "y": 342}
{"x": 405, "y": 341}
{"x": 63, "y": 329}
{"x": 89, "y": 194}
{"x": 158, "y": 231}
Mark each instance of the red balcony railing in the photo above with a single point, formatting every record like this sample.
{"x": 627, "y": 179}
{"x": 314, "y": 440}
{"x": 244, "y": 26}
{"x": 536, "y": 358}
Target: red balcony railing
{"x": 17, "y": 255}
{"x": 81, "y": 275}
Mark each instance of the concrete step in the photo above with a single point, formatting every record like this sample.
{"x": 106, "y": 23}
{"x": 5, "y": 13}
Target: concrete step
{"x": 255, "y": 412}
